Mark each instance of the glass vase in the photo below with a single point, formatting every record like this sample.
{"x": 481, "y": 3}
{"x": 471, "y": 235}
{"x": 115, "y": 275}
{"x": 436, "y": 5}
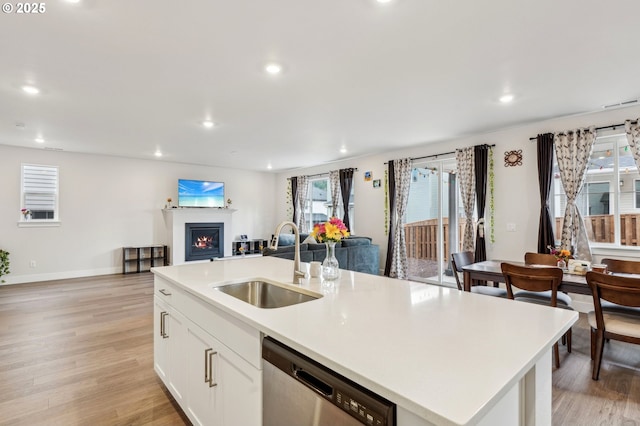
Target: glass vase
{"x": 330, "y": 266}
{"x": 562, "y": 264}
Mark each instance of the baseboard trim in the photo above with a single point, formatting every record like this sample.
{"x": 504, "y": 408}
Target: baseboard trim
{"x": 30, "y": 278}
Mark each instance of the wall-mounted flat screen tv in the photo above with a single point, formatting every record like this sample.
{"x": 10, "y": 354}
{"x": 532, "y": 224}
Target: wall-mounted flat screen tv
{"x": 200, "y": 193}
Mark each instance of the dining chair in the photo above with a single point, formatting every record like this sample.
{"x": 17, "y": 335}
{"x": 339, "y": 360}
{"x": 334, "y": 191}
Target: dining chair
{"x": 623, "y": 291}
{"x": 546, "y": 259}
{"x": 532, "y": 279}
{"x": 462, "y": 259}
{"x": 619, "y": 266}
{"x": 531, "y": 258}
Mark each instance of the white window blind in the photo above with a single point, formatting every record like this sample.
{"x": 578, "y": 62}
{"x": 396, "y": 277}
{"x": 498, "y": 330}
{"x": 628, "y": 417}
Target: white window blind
{"x": 40, "y": 190}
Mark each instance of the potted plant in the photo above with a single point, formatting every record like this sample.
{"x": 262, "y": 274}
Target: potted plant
{"x": 4, "y": 263}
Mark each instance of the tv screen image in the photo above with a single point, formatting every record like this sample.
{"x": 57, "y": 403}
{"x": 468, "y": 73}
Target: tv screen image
{"x": 200, "y": 193}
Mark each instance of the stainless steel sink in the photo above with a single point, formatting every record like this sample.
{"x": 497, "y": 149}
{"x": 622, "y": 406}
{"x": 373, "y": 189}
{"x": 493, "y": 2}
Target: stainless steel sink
{"x": 267, "y": 295}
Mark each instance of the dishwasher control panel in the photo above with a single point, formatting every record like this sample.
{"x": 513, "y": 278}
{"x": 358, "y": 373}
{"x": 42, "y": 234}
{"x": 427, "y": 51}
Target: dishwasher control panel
{"x": 359, "y": 410}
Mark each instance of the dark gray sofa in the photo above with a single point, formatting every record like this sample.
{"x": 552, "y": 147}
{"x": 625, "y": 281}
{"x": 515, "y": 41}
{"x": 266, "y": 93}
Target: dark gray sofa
{"x": 353, "y": 253}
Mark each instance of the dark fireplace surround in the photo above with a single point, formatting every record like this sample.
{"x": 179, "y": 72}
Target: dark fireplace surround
{"x": 203, "y": 241}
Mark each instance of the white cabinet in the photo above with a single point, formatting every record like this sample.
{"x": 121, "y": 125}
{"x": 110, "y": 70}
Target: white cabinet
{"x": 222, "y": 388}
{"x": 169, "y": 338}
{"x": 213, "y": 384}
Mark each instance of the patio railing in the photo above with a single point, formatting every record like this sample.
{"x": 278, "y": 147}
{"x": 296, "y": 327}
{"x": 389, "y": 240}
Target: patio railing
{"x": 422, "y": 236}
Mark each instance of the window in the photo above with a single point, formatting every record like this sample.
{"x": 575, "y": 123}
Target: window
{"x": 610, "y": 198}
{"x": 319, "y": 207}
{"x": 40, "y": 191}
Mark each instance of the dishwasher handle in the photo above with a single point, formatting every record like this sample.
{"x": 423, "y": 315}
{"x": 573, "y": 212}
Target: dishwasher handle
{"x": 313, "y": 382}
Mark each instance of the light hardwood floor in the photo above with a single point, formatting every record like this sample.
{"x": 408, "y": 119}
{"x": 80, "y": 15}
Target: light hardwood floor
{"x": 80, "y": 352}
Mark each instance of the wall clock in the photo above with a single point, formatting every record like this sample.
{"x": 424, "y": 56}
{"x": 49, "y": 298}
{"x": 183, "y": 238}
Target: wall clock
{"x": 513, "y": 158}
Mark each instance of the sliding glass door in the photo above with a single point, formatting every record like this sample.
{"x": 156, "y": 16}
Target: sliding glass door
{"x": 433, "y": 221}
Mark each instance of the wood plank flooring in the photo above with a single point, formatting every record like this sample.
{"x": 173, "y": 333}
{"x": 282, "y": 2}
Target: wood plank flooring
{"x": 80, "y": 352}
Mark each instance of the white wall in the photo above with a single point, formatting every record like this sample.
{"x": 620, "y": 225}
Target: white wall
{"x": 110, "y": 202}
{"x": 516, "y": 188}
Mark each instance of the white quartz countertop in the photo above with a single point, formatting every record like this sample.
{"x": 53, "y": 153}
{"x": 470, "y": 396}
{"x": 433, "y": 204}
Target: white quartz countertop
{"x": 445, "y": 355}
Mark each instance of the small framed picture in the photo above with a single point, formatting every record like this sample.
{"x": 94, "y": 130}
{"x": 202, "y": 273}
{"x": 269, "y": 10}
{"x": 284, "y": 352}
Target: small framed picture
{"x": 376, "y": 183}
{"x": 367, "y": 176}
{"x": 243, "y": 237}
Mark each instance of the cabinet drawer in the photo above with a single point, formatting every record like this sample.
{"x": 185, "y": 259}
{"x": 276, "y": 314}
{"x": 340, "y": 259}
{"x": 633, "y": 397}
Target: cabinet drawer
{"x": 235, "y": 334}
{"x": 170, "y": 293}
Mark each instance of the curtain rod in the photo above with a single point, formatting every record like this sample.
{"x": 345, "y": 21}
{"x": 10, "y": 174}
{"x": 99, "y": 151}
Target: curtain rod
{"x": 611, "y": 126}
{"x": 437, "y": 155}
{"x": 355, "y": 169}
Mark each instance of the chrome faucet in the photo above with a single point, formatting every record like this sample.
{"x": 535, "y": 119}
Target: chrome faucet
{"x": 297, "y": 273}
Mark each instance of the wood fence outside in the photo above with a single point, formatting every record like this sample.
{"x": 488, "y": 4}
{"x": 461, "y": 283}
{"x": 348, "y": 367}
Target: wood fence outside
{"x": 600, "y": 228}
{"x": 422, "y": 236}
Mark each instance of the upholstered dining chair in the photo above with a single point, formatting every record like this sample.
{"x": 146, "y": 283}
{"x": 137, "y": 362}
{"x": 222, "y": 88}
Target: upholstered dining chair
{"x": 462, "y": 259}
{"x": 531, "y": 258}
{"x": 532, "y": 279}
{"x": 545, "y": 259}
{"x": 623, "y": 326}
{"x": 619, "y": 266}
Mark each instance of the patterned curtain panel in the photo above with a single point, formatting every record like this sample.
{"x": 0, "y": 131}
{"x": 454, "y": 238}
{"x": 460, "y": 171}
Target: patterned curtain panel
{"x": 346, "y": 183}
{"x": 573, "y": 150}
{"x": 334, "y": 183}
{"x": 465, "y": 160}
{"x": 633, "y": 137}
{"x": 303, "y": 200}
{"x": 545, "y": 178}
{"x": 402, "y": 171}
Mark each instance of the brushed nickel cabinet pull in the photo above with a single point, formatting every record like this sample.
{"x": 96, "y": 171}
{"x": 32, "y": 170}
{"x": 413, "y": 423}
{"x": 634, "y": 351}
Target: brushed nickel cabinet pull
{"x": 206, "y": 365}
{"x": 211, "y": 383}
{"x": 163, "y": 323}
{"x": 163, "y": 291}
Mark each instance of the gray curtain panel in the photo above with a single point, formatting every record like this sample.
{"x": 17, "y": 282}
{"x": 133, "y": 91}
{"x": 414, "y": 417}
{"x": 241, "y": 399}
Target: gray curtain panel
{"x": 465, "y": 159}
{"x": 573, "y": 150}
{"x": 346, "y": 183}
{"x": 402, "y": 171}
{"x": 545, "y": 178}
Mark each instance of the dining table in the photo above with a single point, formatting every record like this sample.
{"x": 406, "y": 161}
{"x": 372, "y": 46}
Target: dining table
{"x": 490, "y": 270}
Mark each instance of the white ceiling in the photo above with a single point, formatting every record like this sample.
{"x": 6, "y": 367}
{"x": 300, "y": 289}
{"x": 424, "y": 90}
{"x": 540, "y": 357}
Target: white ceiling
{"x": 124, "y": 77}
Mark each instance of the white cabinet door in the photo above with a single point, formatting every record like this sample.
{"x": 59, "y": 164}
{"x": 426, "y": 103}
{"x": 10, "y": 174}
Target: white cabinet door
{"x": 168, "y": 343}
{"x": 222, "y": 389}
{"x": 201, "y": 388}
{"x": 240, "y": 387}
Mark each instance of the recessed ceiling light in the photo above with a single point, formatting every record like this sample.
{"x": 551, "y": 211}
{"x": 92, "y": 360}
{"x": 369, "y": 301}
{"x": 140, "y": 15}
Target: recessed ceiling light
{"x": 158, "y": 153}
{"x": 30, "y": 90}
{"x": 505, "y": 99}
{"x": 343, "y": 150}
{"x": 383, "y": 1}
{"x": 39, "y": 140}
{"x": 269, "y": 166}
{"x": 273, "y": 68}
{"x": 208, "y": 124}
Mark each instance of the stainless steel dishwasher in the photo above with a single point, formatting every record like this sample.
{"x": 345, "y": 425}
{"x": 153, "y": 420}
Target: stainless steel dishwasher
{"x": 298, "y": 391}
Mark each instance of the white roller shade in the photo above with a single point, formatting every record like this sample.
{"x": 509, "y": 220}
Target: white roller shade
{"x": 39, "y": 187}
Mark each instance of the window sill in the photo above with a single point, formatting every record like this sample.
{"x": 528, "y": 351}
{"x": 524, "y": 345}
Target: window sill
{"x": 38, "y": 223}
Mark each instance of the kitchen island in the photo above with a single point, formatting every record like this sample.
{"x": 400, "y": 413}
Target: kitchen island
{"x": 445, "y": 357}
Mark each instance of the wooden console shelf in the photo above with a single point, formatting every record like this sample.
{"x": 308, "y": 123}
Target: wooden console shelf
{"x": 249, "y": 246}
{"x": 143, "y": 258}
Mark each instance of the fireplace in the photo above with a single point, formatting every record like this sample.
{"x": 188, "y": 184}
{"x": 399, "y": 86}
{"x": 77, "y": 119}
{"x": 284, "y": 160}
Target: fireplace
{"x": 203, "y": 241}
